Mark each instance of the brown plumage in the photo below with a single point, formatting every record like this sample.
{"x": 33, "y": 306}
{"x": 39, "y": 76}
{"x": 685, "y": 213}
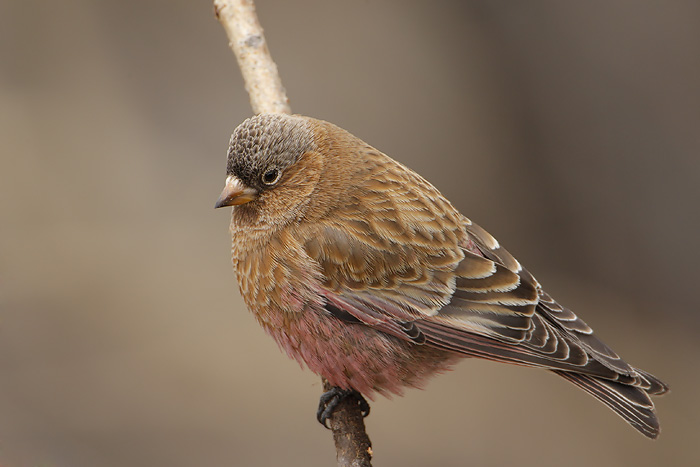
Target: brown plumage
{"x": 360, "y": 269}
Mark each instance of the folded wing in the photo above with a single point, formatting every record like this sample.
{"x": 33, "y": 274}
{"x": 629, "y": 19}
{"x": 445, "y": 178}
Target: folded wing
{"x": 397, "y": 257}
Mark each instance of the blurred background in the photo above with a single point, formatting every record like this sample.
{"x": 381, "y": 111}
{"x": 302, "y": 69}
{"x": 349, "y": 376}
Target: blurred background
{"x": 570, "y": 130}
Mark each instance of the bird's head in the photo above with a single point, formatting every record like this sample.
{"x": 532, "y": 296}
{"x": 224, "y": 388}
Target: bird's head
{"x": 270, "y": 167}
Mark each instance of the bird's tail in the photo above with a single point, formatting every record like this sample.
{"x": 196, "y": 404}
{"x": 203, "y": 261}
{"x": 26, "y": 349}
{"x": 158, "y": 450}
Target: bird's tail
{"x": 630, "y": 402}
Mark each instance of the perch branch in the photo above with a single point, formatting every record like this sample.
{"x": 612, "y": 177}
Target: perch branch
{"x": 264, "y": 86}
{"x": 352, "y": 445}
{"x": 246, "y": 38}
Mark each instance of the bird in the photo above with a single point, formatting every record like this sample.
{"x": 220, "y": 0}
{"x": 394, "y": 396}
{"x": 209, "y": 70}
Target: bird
{"x": 362, "y": 271}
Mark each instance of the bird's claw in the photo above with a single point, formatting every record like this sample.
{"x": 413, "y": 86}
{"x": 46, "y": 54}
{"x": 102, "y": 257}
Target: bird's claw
{"x": 330, "y": 399}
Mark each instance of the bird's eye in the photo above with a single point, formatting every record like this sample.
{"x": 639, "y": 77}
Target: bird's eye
{"x": 271, "y": 176}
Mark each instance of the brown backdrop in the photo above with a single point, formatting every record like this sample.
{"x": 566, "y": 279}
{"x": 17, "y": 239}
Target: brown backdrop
{"x": 568, "y": 129}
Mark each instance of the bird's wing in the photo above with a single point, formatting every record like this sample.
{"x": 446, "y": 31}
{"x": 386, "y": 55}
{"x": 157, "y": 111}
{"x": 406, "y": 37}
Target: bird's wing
{"x": 564, "y": 321}
{"x": 489, "y": 312}
{"x": 396, "y": 256}
{"x": 556, "y": 315}
{"x": 392, "y": 252}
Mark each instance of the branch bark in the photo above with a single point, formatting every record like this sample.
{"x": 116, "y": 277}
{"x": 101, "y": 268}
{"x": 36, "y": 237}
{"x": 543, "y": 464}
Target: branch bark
{"x": 352, "y": 445}
{"x": 264, "y": 86}
{"x": 246, "y": 38}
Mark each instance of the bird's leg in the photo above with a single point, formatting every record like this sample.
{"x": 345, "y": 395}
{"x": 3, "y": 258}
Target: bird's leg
{"x": 330, "y": 399}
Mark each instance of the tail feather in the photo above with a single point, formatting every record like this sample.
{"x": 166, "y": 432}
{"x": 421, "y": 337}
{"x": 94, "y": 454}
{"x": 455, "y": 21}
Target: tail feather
{"x": 655, "y": 385}
{"x": 630, "y": 402}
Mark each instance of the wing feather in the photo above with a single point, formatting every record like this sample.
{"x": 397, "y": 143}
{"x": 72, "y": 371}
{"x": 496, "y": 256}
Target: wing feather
{"x": 399, "y": 258}
{"x": 562, "y": 318}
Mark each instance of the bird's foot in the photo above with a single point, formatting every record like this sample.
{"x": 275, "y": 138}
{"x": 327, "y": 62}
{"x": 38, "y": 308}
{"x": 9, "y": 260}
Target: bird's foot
{"x": 330, "y": 399}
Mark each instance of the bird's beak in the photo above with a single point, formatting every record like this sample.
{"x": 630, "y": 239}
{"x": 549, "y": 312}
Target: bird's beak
{"x": 235, "y": 193}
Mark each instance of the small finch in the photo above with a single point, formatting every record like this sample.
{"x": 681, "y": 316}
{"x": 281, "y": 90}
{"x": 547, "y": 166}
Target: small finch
{"x": 361, "y": 270}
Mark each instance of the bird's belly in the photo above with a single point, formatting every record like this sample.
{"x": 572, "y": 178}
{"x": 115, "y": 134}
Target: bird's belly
{"x": 355, "y": 356}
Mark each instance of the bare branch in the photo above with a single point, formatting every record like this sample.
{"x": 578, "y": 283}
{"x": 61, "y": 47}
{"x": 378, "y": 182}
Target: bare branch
{"x": 246, "y": 38}
{"x": 352, "y": 445}
{"x": 262, "y": 81}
